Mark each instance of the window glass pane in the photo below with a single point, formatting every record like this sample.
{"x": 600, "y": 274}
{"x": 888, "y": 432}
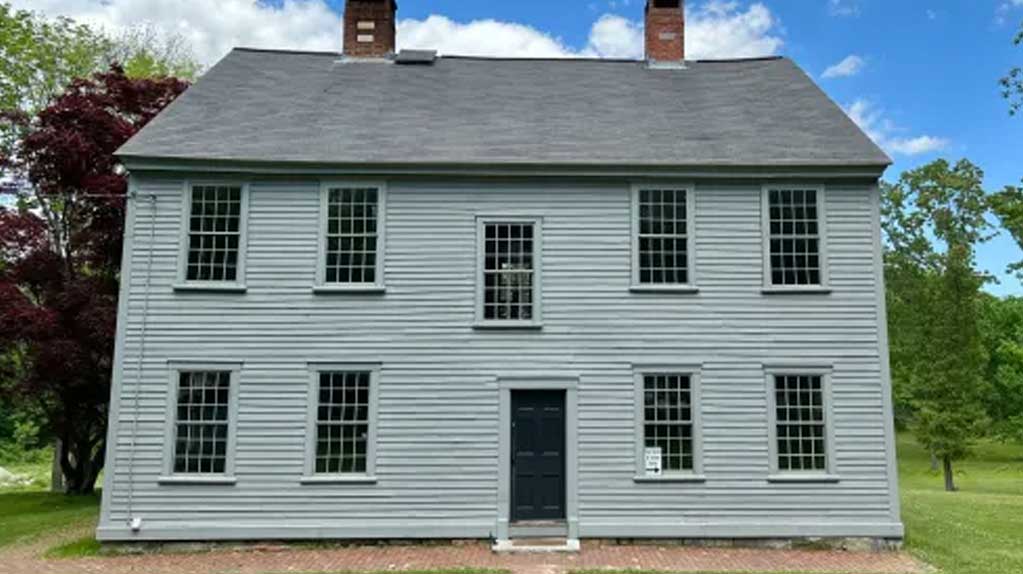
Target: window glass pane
{"x": 342, "y": 423}
{"x": 201, "y": 428}
{"x": 508, "y": 271}
{"x": 351, "y": 246}
{"x": 662, "y": 243}
{"x": 794, "y": 236}
{"x": 214, "y": 231}
{"x": 667, "y": 419}
{"x": 799, "y": 406}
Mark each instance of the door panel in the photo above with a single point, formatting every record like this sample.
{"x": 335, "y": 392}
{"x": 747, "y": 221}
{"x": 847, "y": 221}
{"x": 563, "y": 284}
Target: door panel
{"x": 538, "y": 455}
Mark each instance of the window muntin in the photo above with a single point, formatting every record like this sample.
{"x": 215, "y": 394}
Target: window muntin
{"x": 668, "y": 419}
{"x": 202, "y": 423}
{"x": 509, "y": 254}
{"x": 352, "y": 235}
{"x": 342, "y": 423}
{"x": 794, "y": 237}
{"x": 801, "y": 426}
{"x": 662, "y": 242}
{"x": 214, "y": 233}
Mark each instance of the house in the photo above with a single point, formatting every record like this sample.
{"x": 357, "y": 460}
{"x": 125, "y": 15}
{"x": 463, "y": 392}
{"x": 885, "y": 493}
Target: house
{"x": 379, "y": 296}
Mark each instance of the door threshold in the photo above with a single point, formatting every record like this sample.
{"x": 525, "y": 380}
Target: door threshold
{"x": 538, "y": 529}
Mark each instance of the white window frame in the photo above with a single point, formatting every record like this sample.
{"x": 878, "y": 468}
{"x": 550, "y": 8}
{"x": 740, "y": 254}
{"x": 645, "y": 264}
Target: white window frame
{"x": 822, "y": 228}
{"x": 310, "y": 476}
{"x": 537, "y": 321}
{"x": 825, "y": 373}
{"x": 639, "y": 415}
{"x": 379, "y": 283}
{"x": 690, "y": 193}
{"x": 175, "y": 369}
{"x": 239, "y": 284}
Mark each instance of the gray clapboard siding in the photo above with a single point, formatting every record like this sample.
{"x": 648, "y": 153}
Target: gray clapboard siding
{"x": 437, "y": 462}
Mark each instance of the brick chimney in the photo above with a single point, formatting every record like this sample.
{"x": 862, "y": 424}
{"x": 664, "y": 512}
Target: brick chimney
{"x": 369, "y": 28}
{"x": 665, "y": 31}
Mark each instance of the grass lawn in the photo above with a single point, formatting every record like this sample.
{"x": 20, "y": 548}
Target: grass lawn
{"x": 26, "y": 515}
{"x": 978, "y": 530}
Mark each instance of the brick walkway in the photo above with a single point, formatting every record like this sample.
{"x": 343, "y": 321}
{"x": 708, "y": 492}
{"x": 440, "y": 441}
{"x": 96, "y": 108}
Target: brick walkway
{"x": 283, "y": 560}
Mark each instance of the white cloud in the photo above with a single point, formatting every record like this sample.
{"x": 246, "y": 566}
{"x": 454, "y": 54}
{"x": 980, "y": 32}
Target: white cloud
{"x": 714, "y": 29}
{"x": 844, "y": 7}
{"x": 850, "y": 66}
{"x": 884, "y": 132}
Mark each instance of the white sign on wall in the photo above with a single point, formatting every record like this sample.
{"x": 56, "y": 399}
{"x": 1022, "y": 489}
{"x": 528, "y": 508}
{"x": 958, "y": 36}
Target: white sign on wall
{"x": 652, "y": 461}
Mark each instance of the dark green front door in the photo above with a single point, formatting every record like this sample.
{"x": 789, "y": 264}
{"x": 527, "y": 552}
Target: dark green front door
{"x": 538, "y": 455}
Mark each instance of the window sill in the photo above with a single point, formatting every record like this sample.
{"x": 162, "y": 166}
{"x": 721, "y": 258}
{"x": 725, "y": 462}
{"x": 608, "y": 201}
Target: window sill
{"x": 803, "y": 478}
{"x": 359, "y": 479}
{"x": 670, "y": 478}
{"x": 794, "y": 290}
{"x": 211, "y": 287}
{"x": 507, "y": 326}
{"x": 198, "y": 480}
{"x": 349, "y": 290}
{"x": 666, "y": 289}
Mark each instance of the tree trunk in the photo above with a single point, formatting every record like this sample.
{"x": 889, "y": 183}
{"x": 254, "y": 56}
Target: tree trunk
{"x": 934, "y": 462}
{"x": 950, "y": 485}
{"x": 56, "y": 473}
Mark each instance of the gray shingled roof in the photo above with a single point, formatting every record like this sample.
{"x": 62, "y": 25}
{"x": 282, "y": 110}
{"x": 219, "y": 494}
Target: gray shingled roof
{"x": 306, "y": 107}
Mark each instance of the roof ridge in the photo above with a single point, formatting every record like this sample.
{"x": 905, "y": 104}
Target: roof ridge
{"x": 286, "y": 51}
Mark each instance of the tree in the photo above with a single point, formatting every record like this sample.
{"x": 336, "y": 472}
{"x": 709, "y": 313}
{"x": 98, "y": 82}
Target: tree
{"x": 61, "y": 248}
{"x": 935, "y": 217}
{"x": 1002, "y": 333}
{"x": 1012, "y": 84}
{"x": 42, "y": 56}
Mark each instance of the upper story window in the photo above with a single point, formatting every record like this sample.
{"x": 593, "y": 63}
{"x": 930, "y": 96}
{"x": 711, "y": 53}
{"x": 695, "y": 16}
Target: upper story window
{"x": 342, "y": 421}
{"x": 212, "y": 255}
{"x": 794, "y": 224}
{"x": 662, "y": 244}
{"x": 202, "y": 422}
{"x": 353, "y": 228}
{"x": 509, "y": 272}
{"x": 800, "y": 418}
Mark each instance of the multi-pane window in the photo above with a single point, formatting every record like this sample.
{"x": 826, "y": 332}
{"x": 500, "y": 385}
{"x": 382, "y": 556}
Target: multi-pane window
{"x": 202, "y": 424}
{"x": 353, "y": 238}
{"x": 668, "y": 419}
{"x": 663, "y": 237}
{"x": 795, "y": 237}
{"x": 801, "y": 428}
{"x": 214, "y": 233}
{"x": 342, "y": 422}
{"x": 509, "y": 271}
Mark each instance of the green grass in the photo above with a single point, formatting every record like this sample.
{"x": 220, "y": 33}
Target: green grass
{"x": 978, "y": 530}
{"x": 80, "y": 548}
{"x": 24, "y": 516}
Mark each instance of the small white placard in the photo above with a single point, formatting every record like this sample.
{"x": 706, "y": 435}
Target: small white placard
{"x": 652, "y": 461}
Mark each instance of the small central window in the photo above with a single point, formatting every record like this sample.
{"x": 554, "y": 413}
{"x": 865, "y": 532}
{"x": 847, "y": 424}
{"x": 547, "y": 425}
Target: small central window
{"x": 801, "y": 425}
{"x": 353, "y": 236}
{"x": 668, "y": 419}
{"x": 202, "y": 424}
{"x": 509, "y": 263}
{"x": 214, "y": 233}
{"x": 342, "y": 422}
{"x": 795, "y": 237}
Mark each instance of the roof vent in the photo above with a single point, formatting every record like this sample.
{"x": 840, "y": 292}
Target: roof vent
{"x": 416, "y": 57}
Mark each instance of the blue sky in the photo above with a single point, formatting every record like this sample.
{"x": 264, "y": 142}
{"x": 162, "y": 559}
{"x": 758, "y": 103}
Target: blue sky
{"x": 920, "y": 76}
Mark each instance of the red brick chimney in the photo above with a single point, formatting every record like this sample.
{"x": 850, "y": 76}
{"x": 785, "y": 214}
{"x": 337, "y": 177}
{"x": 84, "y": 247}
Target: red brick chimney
{"x": 369, "y": 28}
{"x": 665, "y": 31}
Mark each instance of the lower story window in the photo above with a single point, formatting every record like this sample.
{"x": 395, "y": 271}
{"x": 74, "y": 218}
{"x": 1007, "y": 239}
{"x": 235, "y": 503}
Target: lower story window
{"x": 202, "y": 422}
{"x": 800, "y": 423}
{"x": 342, "y": 422}
{"x": 668, "y": 419}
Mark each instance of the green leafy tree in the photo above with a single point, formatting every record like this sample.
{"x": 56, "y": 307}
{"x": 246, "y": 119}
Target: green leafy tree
{"x": 1012, "y": 84}
{"x": 1002, "y": 333}
{"x": 934, "y": 218}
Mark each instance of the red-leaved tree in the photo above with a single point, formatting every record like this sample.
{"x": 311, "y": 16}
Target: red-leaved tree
{"x": 60, "y": 256}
